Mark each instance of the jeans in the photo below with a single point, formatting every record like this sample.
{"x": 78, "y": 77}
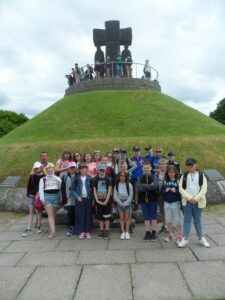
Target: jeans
{"x": 118, "y": 70}
{"x": 192, "y": 210}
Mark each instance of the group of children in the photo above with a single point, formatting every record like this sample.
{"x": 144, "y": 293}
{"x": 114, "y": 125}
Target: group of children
{"x": 95, "y": 184}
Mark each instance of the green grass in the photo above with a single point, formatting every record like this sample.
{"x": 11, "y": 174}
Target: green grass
{"x": 104, "y": 119}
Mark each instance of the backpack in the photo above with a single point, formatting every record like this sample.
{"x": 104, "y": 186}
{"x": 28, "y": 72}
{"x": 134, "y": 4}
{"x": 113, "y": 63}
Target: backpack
{"x": 184, "y": 183}
{"x": 37, "y": 202}
{"x": 127, "y": 187}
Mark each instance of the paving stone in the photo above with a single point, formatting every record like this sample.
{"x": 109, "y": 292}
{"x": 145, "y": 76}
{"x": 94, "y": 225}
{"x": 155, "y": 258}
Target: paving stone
{"x": 10, "y": 259}
{"x": 205, "y": 278}
{"x": 218, "y": 238}
{"x": 104, "y": 283}
{"x": 214, "y": 228}
{"x": 207, "y": 220}
{"x": 31, "y": 246}
{"x": 3, "y": 245}
{"x": 76, "y": 245}
{"x": 52, "y": 283}
{"x": 17, "y": 236}
{"x": 49, "y": 259}
{"x": 102, "y": 257}
{"x": 215, "y": 253}
{"x": 159, "y": 281}
{"x": 164, "y": 255}
{"x": 221, "y": 221}
{"x": 133, "y": 243}
{"x": 12, "y": 279}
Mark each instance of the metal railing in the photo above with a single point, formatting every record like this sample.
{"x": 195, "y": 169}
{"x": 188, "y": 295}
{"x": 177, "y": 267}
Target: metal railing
{"x": 137, "y": 71}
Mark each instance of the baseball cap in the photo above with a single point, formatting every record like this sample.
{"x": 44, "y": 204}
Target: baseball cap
{"x": 191, "y": 161}
{"x": 72, "y": 164}
{"x": 123, "y": 150}
{"x": 102, "y": 167}
{"x": 82, "y": 165}
{"x": 148, "y": 147}
{"x": 136, "y": 148}
{"x": 37, "y": 164}
{"x": 171, "y": 153}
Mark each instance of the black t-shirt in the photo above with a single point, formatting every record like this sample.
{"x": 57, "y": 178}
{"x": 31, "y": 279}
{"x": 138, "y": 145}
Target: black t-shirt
{"x": 102, "y": 185}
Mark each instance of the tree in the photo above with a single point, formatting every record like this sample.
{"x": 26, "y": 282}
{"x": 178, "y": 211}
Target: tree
{"x": 10, "y": 120}
{"x": 219, "y": 113}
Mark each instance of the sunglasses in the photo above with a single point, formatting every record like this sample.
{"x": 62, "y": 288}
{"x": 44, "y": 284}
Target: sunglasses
{"x": 158, "y": 151}
{"x": 122, "y": 175}
{"x": 77, "y": 155}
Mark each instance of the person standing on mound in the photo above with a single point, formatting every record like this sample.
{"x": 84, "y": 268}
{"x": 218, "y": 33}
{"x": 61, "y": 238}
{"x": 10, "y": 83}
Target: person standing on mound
{"x": 193, "y": 188}
{"x": 49, "y": 190}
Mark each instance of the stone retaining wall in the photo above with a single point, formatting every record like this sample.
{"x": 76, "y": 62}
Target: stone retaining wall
{"x": 113, "y": 84}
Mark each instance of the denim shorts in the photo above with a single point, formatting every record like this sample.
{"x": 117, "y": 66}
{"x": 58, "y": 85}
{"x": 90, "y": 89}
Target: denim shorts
{"x": 52, "y": 200}
{"x": 127, "y": 208}
{"x": 149, "y": 210}
{"x": 30, "y": 201}
{"x": 172, "y": 212}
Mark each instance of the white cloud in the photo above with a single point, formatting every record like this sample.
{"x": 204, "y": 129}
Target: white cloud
{"x": 43, "y": 40}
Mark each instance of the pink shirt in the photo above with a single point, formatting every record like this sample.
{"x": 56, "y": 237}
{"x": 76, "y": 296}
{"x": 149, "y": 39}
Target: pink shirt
{"x": 91, "y": 171}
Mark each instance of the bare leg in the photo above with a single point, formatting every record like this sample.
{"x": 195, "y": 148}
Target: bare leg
{"x": 170, "y": 228}
{"x": 128, "y": 218}
{"x": 31, "y": 216}
{"x": 51, "y": 219}
{"x": 107, "y": 225}
{"x": 101, "y": 225}
{"x": 122, "y": 225}
{"x": 147, "y": 225}
{"x": 39, "y": 218}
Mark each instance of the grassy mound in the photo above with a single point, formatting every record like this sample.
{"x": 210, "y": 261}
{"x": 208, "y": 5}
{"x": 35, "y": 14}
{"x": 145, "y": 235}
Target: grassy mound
{"x": 104, "y": 119}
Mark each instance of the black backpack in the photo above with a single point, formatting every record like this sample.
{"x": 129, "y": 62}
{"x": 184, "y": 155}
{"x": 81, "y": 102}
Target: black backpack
{"x": 184, "y": 183}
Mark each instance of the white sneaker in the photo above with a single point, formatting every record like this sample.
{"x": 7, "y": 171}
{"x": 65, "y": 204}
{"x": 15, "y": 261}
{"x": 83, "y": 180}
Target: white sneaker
{"x": 123, "y": 236}
{"x": 39, "y": 230}
{"x": 183, "y": 243}
{"x": 127, "y": 235}
{"x": 204, "y": 243}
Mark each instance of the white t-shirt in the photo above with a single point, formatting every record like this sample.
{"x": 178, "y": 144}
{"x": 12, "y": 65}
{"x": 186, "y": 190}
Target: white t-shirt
{"x": 193, "y": 187}
{"x": 84, "y": 190}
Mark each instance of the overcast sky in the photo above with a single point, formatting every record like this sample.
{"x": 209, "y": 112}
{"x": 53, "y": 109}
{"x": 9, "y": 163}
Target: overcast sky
{"x": 42, "y": 39}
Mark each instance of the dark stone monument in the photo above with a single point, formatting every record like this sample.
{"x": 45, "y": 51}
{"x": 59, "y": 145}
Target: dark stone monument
{"x": 112, "y": 37}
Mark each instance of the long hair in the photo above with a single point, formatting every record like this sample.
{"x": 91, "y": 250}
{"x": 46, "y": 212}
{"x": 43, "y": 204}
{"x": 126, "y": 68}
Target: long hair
{"x": 65, "y": 151}
{"x": 127, "y": 177}
{"x": 85, "y": 154}
{"x": 172, "y": 168}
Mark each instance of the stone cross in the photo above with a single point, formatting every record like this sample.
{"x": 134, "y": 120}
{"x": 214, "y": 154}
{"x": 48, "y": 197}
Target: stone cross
{"x": 112, "y": 37}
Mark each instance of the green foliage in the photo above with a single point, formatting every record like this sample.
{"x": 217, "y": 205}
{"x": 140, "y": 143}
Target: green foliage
{"x": 122, "y": 114}
{"x": 10, "y": 120}
{"x": 219, "y": 113}
{"x": 105, "y": 119}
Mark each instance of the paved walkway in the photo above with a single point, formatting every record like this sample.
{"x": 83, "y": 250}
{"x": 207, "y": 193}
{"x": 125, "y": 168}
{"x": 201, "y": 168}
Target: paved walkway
{"x": 68, "y": 268}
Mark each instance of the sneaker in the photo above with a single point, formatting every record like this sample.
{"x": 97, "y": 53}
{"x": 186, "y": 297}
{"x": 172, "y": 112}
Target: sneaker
{"x": 82, "y": 235}
{"x": 70, "y": 232}
{"x": 153, "y": 236}
{"x": 169, "y": 238}
{"x": 88, "y": 235}
{"x": 147, "y": 236}
{"x": 178, "y": 239}
{"x": 106, "y": 235}
{"x": 163, "y": 229}
{"x": 101, "y": 235}
{"x": 204, "y": 242}
{"x": 39, "y": 230}
{"x": 27, "y": 232}
{"x": 123, "y": 236}
{"x": 127, "y": 235}
{"x": 183, "y": 243}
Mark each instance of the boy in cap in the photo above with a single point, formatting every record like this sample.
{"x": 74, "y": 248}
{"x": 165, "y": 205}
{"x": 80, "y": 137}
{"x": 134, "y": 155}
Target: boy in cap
{"x": 102, "y": 193}
{"x": 193, "y": 188}
{"x": 149, "y": 153}
{"x": 123, "y": 157}
{"x": 172, "y": 161}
